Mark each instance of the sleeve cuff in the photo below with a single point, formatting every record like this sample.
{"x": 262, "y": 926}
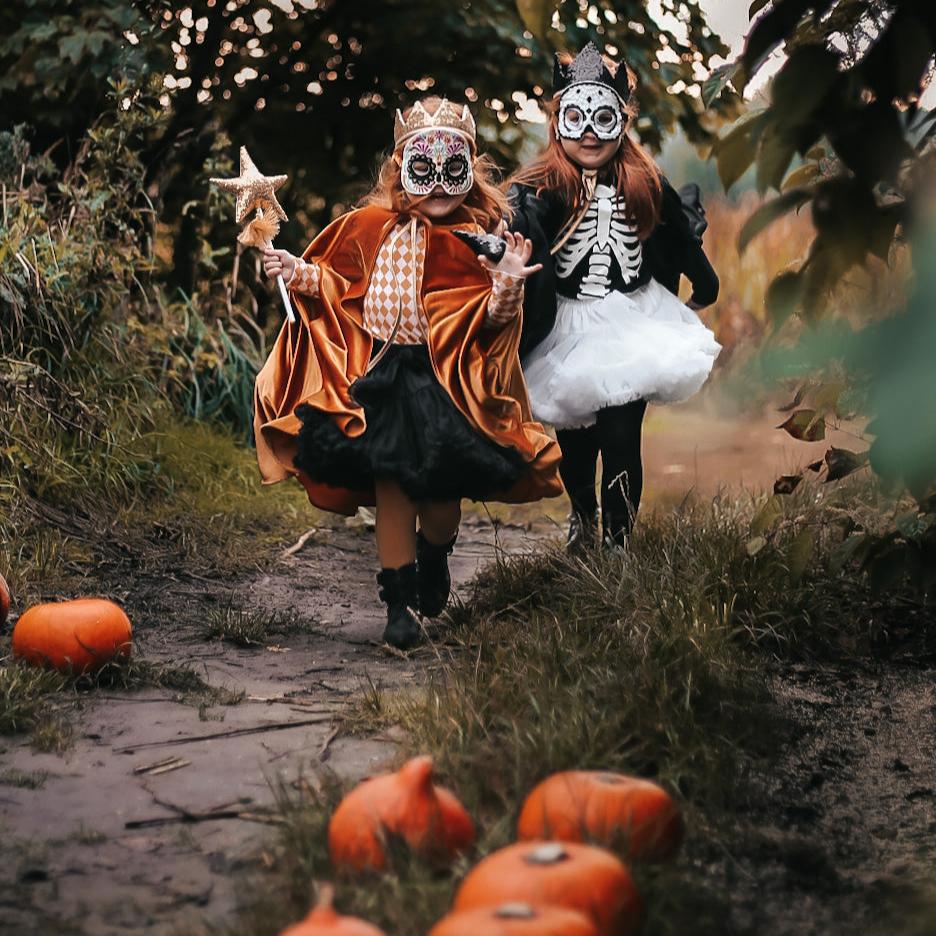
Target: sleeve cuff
{"x": 506, "y": 298}
{"x": 305, "y": 278}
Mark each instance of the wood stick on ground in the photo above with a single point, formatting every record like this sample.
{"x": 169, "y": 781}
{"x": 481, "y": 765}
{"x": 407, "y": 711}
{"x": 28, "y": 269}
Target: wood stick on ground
{"x": 160, "y": 766}
{"x": 202, "y": 817}
{"x": 324, "y": 753}
{"x": 286, "y": 553}
{"x": 218, "y": 735}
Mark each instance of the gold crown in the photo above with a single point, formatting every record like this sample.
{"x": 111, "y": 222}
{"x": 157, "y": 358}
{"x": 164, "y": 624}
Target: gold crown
{"x": 449, "y": 116}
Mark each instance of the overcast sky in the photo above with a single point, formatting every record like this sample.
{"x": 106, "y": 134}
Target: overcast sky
{"x": 729, "y": 19}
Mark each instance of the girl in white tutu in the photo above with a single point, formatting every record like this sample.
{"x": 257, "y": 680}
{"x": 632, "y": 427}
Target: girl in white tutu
{"x": 604, "y": 332}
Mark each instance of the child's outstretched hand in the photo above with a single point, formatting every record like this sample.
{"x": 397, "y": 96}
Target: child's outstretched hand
{"x": 516, "y": 256}
{"x": 277, "y": 262}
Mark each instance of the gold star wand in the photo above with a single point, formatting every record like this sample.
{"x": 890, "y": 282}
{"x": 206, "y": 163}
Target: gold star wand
{"x": 257, "y": 192}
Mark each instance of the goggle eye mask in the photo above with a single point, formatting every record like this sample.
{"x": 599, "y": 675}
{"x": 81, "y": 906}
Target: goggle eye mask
{"x": 588, "y": 106}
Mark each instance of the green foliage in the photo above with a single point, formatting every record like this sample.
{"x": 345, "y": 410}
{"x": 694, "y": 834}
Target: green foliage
{"x": 852, "y": 114}
{"x": 56, "y": 58}
{"x": 100, "y": 371}
{"x": 846, "y": 99}
{"x": 314, "y": 85}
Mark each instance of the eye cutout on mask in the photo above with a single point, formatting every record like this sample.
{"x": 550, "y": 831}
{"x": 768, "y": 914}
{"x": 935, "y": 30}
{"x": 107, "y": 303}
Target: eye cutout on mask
{"x": 436, "y": 157}
{"x": 590, "y": 106}
{"x": 420, "y": 168}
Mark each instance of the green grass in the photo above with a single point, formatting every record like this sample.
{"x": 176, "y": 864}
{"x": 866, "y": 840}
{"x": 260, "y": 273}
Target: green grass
{"x": 250, "y": 627}
{"x": 657, "y": 663}
{"x": 24, "y": 779}
{"x": 43, "y": 703}
{"x": 201, "y": 508}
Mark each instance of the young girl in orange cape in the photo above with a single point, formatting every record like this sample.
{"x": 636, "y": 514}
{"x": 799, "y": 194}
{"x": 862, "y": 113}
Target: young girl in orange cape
{"x": 603, "y": 332}
{"x": 400, "y": 384}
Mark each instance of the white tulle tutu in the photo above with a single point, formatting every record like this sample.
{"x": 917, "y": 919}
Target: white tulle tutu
{"x": 642, "y": 345}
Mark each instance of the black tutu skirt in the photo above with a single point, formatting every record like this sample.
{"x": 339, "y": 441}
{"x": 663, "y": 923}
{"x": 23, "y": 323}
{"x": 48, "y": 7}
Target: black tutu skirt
{"x": 415, "y": 436}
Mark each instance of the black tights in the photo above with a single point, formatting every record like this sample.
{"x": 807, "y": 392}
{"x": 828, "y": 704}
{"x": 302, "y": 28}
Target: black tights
{"x": 616, "y": 434}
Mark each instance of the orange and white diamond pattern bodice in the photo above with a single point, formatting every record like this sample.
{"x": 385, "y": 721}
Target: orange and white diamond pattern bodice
{"x": 396, "y": 285}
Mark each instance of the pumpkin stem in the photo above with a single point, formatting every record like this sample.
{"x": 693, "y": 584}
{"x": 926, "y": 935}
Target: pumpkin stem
{"x": 418, "y": 772}
{"x": 547, "y": 854}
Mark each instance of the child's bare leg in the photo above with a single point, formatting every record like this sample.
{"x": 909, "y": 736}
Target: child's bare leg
{"x": 438, "y": 522}
{"x": 396, "y": 547}
{"x": 438, "y": 526}
{"x": 396, "y": 526}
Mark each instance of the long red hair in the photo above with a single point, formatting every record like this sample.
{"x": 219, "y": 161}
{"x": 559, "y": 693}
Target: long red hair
{"x": 636, "y": 176}
{"x": 485, "y": 205}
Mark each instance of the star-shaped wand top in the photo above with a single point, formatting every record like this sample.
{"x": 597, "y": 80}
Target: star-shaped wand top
{"x": 253, "y": 189}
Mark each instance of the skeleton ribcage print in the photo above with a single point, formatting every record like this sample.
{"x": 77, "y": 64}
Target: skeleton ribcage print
{"x": 603, "y": 236}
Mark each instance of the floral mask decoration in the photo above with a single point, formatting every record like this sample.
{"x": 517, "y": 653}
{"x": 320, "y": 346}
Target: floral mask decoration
{"x": 437, "y": 157}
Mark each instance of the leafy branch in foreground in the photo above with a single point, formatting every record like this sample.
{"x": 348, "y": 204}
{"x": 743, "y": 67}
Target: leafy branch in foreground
{"x": 847, "y": 99}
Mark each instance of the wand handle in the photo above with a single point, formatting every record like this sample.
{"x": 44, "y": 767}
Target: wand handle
{"x": 285, "y": 297}
{"x": 287, "y": 305}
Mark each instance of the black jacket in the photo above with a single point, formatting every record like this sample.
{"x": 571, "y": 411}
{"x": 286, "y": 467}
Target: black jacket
{"x": 673, "y": 248}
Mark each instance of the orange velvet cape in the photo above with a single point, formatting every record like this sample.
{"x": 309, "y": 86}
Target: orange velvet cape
{"x": 316, "y": 359}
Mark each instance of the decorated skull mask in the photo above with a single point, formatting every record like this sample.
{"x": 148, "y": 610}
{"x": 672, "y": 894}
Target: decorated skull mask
{"x": 437, "y": 157}
{"x": 590, "y": 106}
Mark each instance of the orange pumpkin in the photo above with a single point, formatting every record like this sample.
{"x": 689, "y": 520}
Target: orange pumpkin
{"x": 4, "y": 600}
{"x": 78, "y": 636}
{"x": 578, "y": 877}
{"x": 324, "y": 921}
{"x": 515, "y": 919}
{"x": 636, "y": 818}
{"x": 404, "y": 806}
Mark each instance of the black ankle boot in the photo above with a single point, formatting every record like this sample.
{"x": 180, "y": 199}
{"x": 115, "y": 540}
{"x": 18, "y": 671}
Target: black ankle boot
{"x": 583, "y": 518}
{"x": 616, "y": 532}
{"x": 583, "y": 531}
{"x": 399, "y": 591}
{"x": 435, "y": 582}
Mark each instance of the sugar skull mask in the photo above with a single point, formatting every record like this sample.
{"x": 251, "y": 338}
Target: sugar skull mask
{"x": 437, "y": 157}
{"x": 590, "y": 106}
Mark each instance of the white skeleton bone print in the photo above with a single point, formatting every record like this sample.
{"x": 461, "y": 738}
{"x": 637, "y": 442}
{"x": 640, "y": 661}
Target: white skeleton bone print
{"x": 603, "y": 232}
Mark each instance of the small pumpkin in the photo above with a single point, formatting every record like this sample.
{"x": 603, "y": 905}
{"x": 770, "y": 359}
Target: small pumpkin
{"x": 324, "y": 921}
{"x": 633, "y": 817}
{"x": 589, "y": 880}
{"x": 404, "y": 806}
{"x": 515, "y": 919}
{"x": 78, "y": 636}
{"x": 4, "y": 600}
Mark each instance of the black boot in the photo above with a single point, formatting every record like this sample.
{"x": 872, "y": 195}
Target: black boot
{"x": 399, "y": 591}
{"x": 583, "y": 531}
{"x": 618, "y": 514}
{"x": 583, "y": 520}
{"x": 617, "y": 525}
{"x": 435, "y": 582}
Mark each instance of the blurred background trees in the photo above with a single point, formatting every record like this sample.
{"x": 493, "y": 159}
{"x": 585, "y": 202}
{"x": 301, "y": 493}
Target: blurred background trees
{"x": 312, "y": 84}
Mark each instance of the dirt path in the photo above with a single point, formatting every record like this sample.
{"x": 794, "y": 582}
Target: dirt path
{"x": 838, "y": 833}
{"x": 72, "y": 865}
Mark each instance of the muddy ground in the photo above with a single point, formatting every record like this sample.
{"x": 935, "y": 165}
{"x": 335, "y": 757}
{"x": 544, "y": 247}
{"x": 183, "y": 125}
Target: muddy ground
{"x": 844, "y": 821}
